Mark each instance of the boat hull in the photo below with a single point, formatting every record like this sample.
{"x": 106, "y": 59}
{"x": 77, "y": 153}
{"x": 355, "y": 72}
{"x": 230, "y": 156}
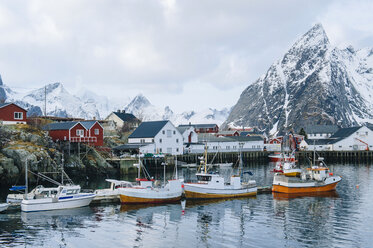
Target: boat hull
{"x": 3, "y": 206}
{"x": 196, "y": 192}
{"x": 125, "y": 199}
{"x": 283, "y": 186}
{"x": 47, "y": 204}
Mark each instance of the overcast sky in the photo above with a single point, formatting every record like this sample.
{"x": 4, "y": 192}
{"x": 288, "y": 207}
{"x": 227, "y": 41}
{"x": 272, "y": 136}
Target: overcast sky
{"x": 185, "y": 54}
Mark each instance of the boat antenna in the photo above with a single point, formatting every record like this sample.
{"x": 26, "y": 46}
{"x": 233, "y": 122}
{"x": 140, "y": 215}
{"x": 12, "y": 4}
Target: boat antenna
{"x": 26, "y": 179}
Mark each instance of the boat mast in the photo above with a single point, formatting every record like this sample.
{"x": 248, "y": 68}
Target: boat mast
{"x": 176, "y": 176}
{"x": 164, "y": 173}
{"x": 26, "y": 179}
{"x": 139, "y": 168}
{"x": 62, "y": 171}
{"x": 314, "y": 153}
{"x": 205, "y": 158}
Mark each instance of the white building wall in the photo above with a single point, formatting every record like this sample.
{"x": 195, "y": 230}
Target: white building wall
{"x": 113, "y": 117}
{"x": 229, "y": 146}
{"x": 319, "y": 136}
{"x": 141, "y": 140}
{"x": 12, "y": 122}
{"x": 352, "y": 144}
{"x": 148, "y": 149}
{"x": 194, "y": 138}
{"x": 169, "y": 140}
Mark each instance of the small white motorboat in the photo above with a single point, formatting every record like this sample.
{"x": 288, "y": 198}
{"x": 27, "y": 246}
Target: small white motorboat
{"x": 111, "y": 194}
{"x": 61, "y": 197}
{"x": 3, "y": 206}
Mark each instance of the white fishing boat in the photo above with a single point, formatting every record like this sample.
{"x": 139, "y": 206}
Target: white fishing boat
{"x": 147, "y": 192}
{"x": 61, "y": 197}
{"x": 111, "y": 194}
{"x": 3, "y": 206}
{"x": 54, "y": 198}
{"x": 212, "y": 185}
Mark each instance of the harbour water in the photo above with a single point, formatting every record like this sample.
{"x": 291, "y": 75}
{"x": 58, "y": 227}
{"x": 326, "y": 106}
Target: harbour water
{"x": 338, "y": 219}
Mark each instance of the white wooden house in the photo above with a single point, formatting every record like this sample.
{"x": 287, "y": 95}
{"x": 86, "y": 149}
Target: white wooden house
{"x": 157, "y": 137}
{"x": 320, "y": 131}
{"x": 345, "y": 139}
{"x": 189, "y": 134}
{"x": 225, "y": 144}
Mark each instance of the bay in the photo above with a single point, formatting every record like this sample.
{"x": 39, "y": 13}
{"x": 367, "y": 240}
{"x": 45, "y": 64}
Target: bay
{"x": 343, "y": 218}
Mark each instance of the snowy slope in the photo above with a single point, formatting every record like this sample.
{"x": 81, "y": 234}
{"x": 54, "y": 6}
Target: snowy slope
{"x": 313, "y": 83}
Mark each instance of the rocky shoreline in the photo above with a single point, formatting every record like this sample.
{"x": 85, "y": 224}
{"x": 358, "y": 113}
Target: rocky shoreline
{"x": 21, "y": 142}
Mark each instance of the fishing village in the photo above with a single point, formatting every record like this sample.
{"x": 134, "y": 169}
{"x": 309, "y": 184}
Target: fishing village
{"x": 157, "y": 144}
{"x": 186, "y": 124}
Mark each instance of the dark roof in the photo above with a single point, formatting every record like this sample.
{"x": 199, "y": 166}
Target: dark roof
{"x": 148, "y": 129}
{"x": 199, "y": 125}
{"x": 313, "y": 129}
{"x": 213, "y": 138}
{"x": 182, "y": 129}
{"x": 126, "y": 116}
{"x": 60, "y": 126}
{"x": 246, "y": 138}
{"x": 345, "y": 132}
{"x": 88, "y": 124}
{"x": 321, "y": 141}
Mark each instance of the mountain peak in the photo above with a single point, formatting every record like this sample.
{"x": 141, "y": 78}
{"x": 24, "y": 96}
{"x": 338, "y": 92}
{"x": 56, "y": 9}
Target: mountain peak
{"x": 316, "y": 36}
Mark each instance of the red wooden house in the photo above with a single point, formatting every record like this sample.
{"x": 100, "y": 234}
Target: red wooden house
{"x": 90, "y": 132}
{"x": 11, "y": 113}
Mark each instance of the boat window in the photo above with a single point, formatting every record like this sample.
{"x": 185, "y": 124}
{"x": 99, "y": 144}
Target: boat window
{"x": 204, "y": 178}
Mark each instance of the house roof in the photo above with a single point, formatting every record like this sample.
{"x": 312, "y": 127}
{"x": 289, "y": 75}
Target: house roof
{"x": 126, "y": 116}
{"x": 60, "y": 126}
{"x": 318, "y": 142}
{"x": 213, "y": 138}
{"x": 148, "y": 129}
{"x": 88, "y": 124}
{"x": 247, "y": 138}
{"x": 182, "y": 129}
{"x": 10, "y": 103}
{"x": 313, "y": 129}
{"x": 199, "y": 125}
{"x": 227, "y": 132}
{"x": 345, "y": 132}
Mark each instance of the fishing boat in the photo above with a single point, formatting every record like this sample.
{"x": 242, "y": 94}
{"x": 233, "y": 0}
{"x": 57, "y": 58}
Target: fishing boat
{"x": 111, "y": 194}
{"x": 317, "y": 178}
{"x": 280, "y": 157}
{"x": 147, "y": 192}
{"x": 54, "y": 198}
{"x": 213, "y": 186}
{"x": 61, "y": 197}
{"x": 3, "y": 206}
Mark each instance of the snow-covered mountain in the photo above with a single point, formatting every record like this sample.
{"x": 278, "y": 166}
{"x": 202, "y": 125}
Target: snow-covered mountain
{"x": 144, "y": 110}
{"x": 313, "y": 83}
{"x": 88, "y": 105}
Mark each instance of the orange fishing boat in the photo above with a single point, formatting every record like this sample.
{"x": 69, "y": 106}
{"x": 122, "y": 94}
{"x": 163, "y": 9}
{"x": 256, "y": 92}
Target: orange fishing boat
{"x": 314, "y": 179}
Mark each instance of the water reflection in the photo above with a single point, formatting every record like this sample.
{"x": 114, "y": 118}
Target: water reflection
{"x": 341, "y": 218}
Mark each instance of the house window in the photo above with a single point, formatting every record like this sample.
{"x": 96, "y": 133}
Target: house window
{"x": 18, "y": 115}
{"x": 160, "y": 140}
{"x": 142, "y": 140}
{"x": 97, "y": 131}
{"x": 177, "y": 140}
{"x": 234, "y": 147}
{"x": 160, "y": 149}
{"x": 227, "y": 147}
{"x": 152, "y": 140}
{"x": 169, "y": 134}
{"x": 177, "y": 149}
{"x": 357, "y": 133}
{"x": 163, "y": 132}
{"x": 174, "y": 132}
{"x": 366, "y": 133}
{"x": 80, "y": 132}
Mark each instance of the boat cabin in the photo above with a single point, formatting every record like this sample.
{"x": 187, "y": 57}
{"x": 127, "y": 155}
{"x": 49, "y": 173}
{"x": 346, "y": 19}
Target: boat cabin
{"x": 212, "y": 180}
{"x": 145, "y": 183}
{"x": 42, "y": 192}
